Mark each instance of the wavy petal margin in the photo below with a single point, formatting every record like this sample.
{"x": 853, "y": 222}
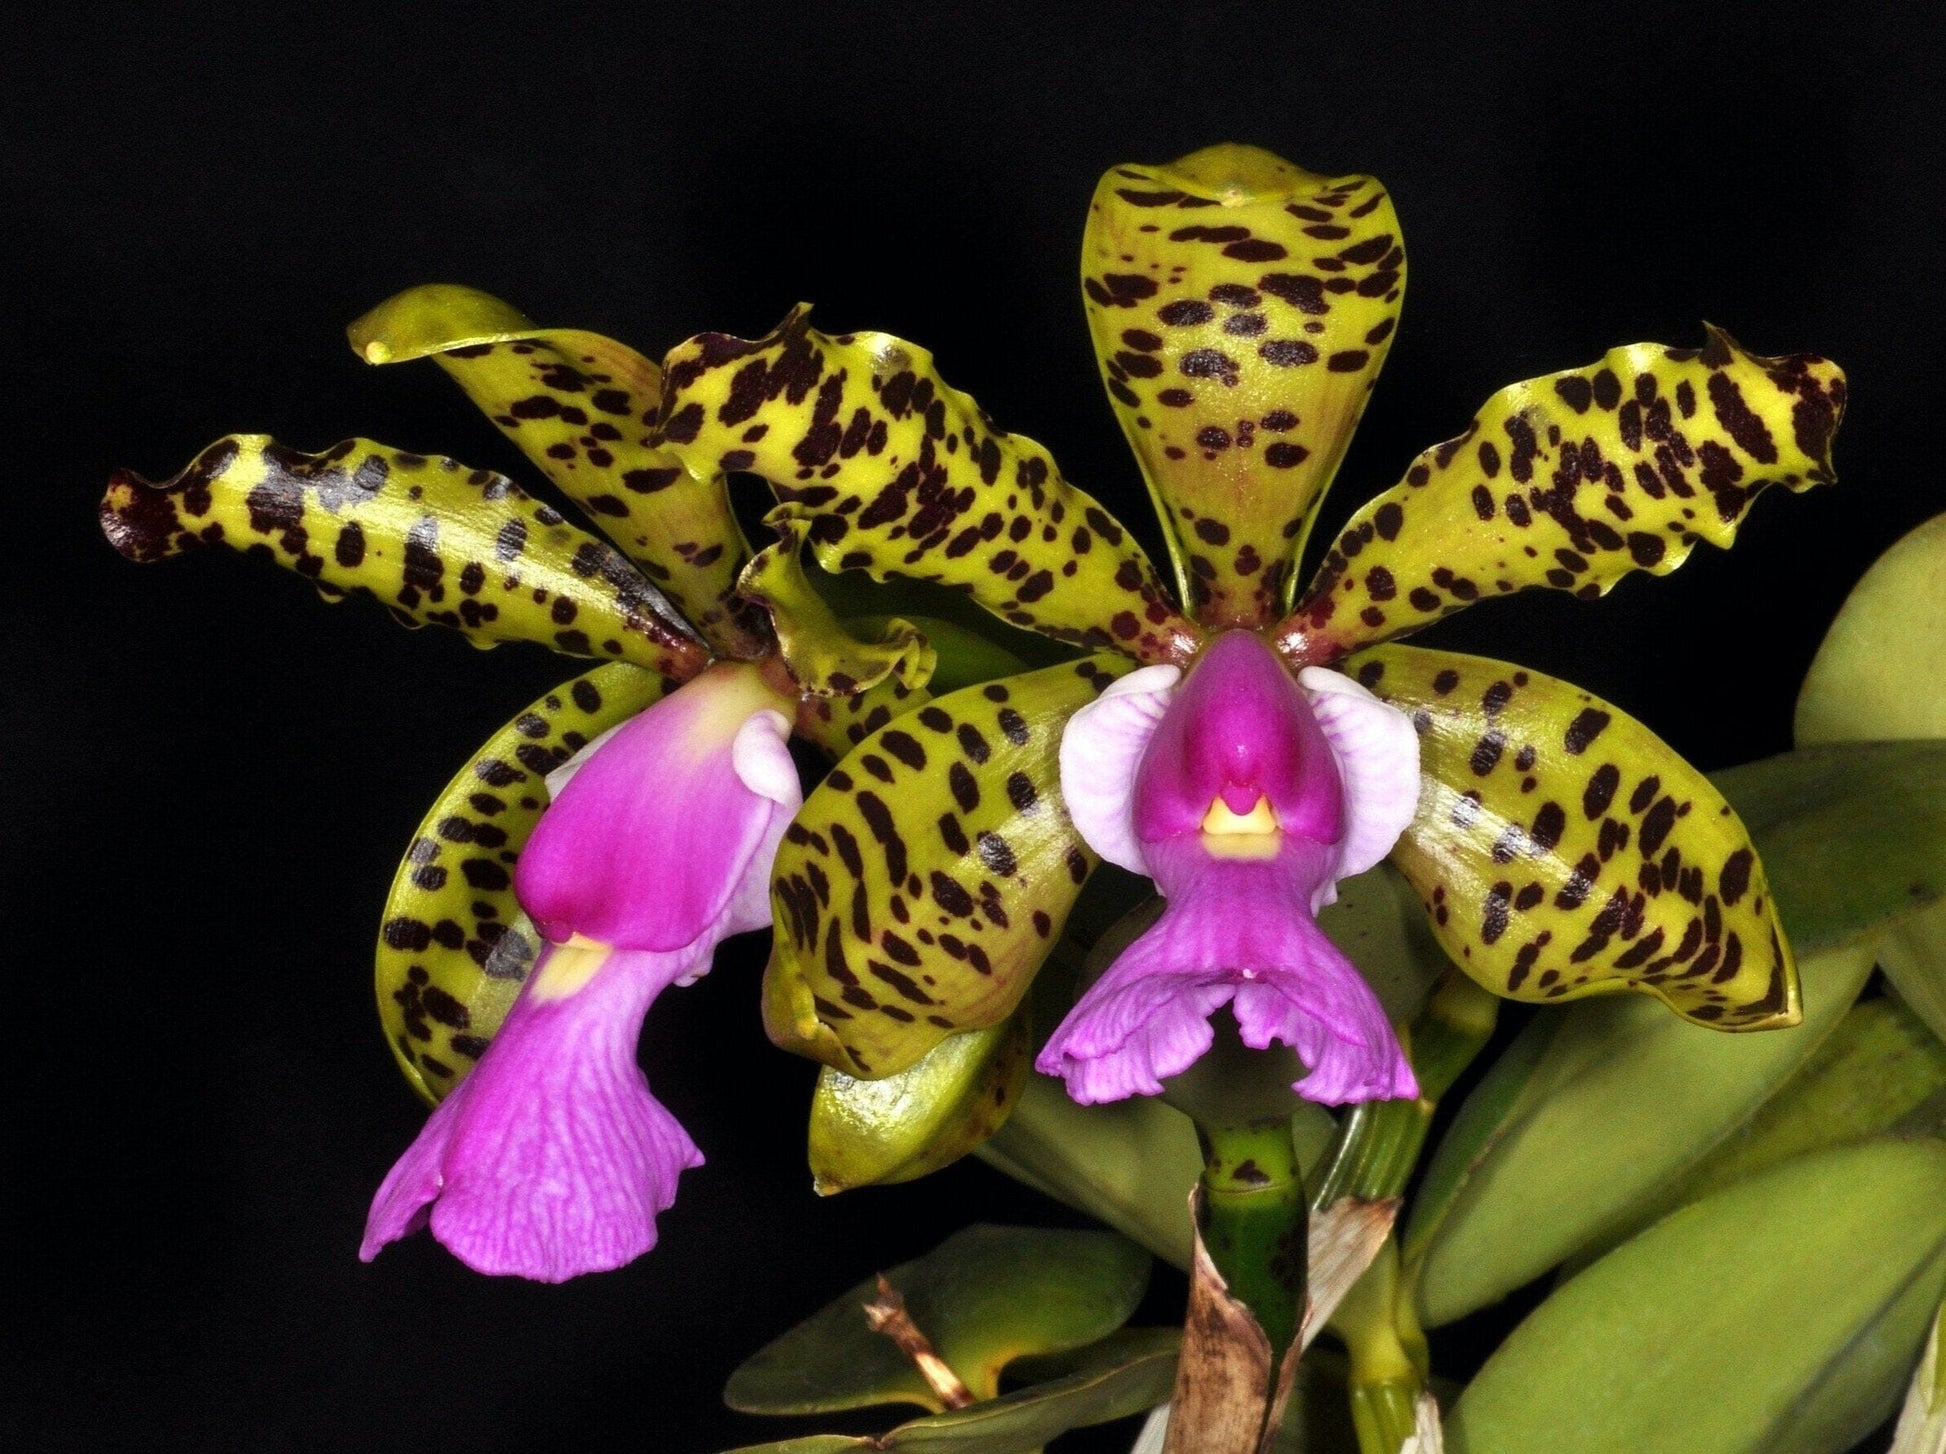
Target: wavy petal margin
{"x": 823, "y": 657}
{"x": 1241, "y": 309}
{"x": 429, "y": 538}
{"x": 893, "y": 472}
{"x": 581, "y": 407}
{"x": 1562, "y": 849}
{"x": 1572, "y": 481}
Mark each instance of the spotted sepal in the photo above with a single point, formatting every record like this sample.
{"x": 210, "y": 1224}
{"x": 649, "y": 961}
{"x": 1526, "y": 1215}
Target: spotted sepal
{"x": 926, "y": 878}
{"x": 1572, "y": 481}
{"x": 1562, "y": 849}
{"x": 581, "y": 406}
{"x": 823, "y": 657}
{"x": 430, "y": 539}
{"x": 454, "y": 947}
{"x": 1241, "y": 307}
{"x": 893, "y": 472}
{"x": 838, "y": 724}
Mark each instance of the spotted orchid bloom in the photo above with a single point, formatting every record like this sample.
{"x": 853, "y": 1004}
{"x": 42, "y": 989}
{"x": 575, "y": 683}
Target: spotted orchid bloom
{"x": 1242, "y": 743}
{"x": 596, "y": 850}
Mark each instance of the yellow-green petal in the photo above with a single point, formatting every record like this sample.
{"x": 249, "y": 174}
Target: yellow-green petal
{"x": 876, "y": 1132}
{"x": 430, "y": 539}
{"x": 454, "y": 947}
{"x": 1241, "y": 307}
{"x": 824, "y": 658}
{"x": 1562, "y": 849}
{"x": 581, "y": 407}
{"x": 924, "y": 881}
{"x": 1572, "y": 481}
{"x": 893, "y": 472}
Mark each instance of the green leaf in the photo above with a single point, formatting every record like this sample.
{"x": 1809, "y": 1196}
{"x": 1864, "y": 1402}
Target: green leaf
{"x": 894, "y": 472}
{"x": 1880, "y": 1065}
{"x": 1881, "y": 673}
{"x": 1562, "y": 849}
{"x": 1123, "y": 1375}
{"x": 1241, "y": 307}
{"x": 1881, "y": 670}
{"x": 1854, "y": 836}
{"x": 875, "y": 1132}
{"x": 580, "y": 406}
{"x": 453, "y": 945}
{"x": 432, "y": 540}
{"x": 984, "y": 1297}
{"x": 1779, "y": 1316}
{"x": 1572, "y": 481}
{"x": 1621, "y": 1100}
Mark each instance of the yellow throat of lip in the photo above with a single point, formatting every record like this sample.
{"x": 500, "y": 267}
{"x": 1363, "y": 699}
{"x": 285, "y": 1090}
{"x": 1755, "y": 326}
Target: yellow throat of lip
{"x": 1228, "y": 834}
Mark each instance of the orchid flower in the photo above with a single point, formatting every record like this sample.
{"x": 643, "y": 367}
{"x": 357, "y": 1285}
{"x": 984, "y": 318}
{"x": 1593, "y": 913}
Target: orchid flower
{"x": 1243, "y": 744}
{"x": 596, "y": 850}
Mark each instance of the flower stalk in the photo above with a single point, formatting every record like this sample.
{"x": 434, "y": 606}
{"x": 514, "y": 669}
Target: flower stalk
{"x": 1377, "y": 1149}
{"x": 1255, "y": 1222}
{"x": 1379, "y": 1142}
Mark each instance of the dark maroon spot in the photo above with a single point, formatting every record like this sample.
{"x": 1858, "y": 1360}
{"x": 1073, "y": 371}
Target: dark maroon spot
{"x": 1584, "y": 729}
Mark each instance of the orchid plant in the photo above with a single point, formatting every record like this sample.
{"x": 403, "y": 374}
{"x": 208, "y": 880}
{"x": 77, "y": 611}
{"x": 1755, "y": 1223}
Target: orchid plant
{"x": 1237, "y": 748}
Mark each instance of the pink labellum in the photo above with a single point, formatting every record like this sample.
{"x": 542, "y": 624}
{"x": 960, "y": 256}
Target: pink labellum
{"x": 552, "y": 1158}
{"x": 1246, "y": 795}
{"x": 650, "y": 834}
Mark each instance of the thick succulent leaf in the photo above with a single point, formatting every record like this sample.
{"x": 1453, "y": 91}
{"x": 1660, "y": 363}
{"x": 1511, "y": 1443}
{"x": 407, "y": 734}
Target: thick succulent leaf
{"x": 1618, "y": 1103}
{"x": 1131, "y": 1164}
{"x": 984, "y": 1297}
{"x": 1562, "y": 849}
{"x": 453, "y": 946}
{"x": 875, "y": 1132}
{"x": 1122, "y": 1375}
{"x": 893, "y": 472}
{"x": 1881, "y": 670}
{"x": 1880, "y": 1066}
{"x": 1572, "y": 481}
{"x": 1780, "y": 1316}
{"x": 581, "y": 407}
{"x": 1241, "y": 307}
{"x": 430, "y": 539}
{"x": 1853, "y": 835}
{"x": 823, "y": 657}
{"x": 927, "y": 877}
{"x": 1881, "y": 673}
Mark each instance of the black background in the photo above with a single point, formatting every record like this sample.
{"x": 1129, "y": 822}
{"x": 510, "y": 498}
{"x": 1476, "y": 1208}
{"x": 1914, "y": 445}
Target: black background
{"x": 209, "y": 774}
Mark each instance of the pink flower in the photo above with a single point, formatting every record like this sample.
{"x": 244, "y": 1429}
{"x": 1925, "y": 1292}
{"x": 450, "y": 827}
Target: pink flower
{"x": 552, "y": 1158}
{"x": 1246, "y": 794}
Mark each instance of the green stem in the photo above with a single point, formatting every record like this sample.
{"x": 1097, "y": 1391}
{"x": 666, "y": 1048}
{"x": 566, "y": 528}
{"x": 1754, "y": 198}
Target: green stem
{"x": 1377, "y": 1147}
{"x": 1379, "y": 1142}
{"x": 1255, "y": 1222}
